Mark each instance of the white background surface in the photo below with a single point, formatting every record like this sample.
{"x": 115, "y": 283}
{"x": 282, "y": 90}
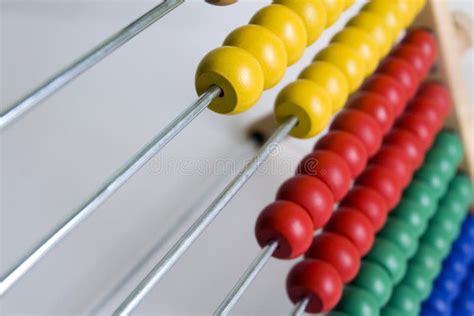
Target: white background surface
{"x": 58, "y": 154}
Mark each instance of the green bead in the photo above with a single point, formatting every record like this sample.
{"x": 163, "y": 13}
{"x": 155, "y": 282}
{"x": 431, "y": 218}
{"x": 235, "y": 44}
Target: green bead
{"x": 402, "y": 235}
{"x": 441, "y": 162}
{"x": 436, "y": 238}
{"x": 418, "y": 280}
{"x": 409, "y": 212}
{"x": 357, "y": 302}
{"x": 454, "y": 207}
{"x": 450, "y": 143}
{"x": 375, "y": 280}
{"x": 405, "y": 299}
{"x": 337, "y": 313}
{"x": 447, "y": 223}
{"x": 461, "y": 186}
{"x": 423, "y": 195}
{"x": 390, "y": 311}
{"x": 435, "y": 180}
{"x": 427, "y": 258}
{"x": 390, "y": 257}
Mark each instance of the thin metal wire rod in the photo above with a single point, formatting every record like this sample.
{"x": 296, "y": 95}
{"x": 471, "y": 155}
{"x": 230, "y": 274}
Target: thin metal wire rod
{"x": 193, "y": 232}
{"x": 85, "y": 62}
{"x": 111, "y": 186}
{"x": 246, "y": 279}
{"x": 300, "y": 307}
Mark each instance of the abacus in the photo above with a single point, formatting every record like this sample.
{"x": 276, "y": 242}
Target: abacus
{"x": 377, "y": 213}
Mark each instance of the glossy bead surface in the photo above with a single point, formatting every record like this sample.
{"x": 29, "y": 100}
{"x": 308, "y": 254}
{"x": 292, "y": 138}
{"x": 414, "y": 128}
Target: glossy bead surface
{"x": 334, "y": 9}
{"x": 451, "y": 144}
{"x": 316, "y": 279}
{"x": 414, "y": 56}
{"x": 461, "y": 187}
{"x": 424, "y": 106}
{"x": 361, "y": 125}
{"x": 288, "y": 224}
{"x": 426, "y": 258}
{"x": 436, "y": 238}
{"x": 418, "y": 280}
{"x": 429, "y": 175}
{"x": 375, "y": 27}
{"x": 265, "y": 46}
{"x": 357, "y": 302}
{"x": 287, "y": 25}
{"x": 408, "y": 143}
{"x": 390, "y": 89}
{"x": 388, "y": 256}
{"x": 384, "y": 181}
{"x": 347, "y": 61}
{"x": 309, "y": 103}
{"x": 348, "y": 147}
{"x": 364, "y": 45}
{"x": 375, "y": 280}
{"x": 331, "y": 79}
{"x": 369, "y": 202}
{"x": 396, "y": 160}
{"x": 313, "y": 14}
{"x": 237, "y": 73}
{"x": 423, "y": 195}
{"x": 418, "y": 126}
{"x": 353, "y": 225}
{"x": 402, "y": 235}
{"x": 409, "y": 212}
{"x": 447, "y": 223}
{"x": 444, "y": 165}
{"x": 311, "y": 194}
{"x": 403, "y": 72}
{"x": 406, "y": 10}
{"x": 405, "y": 300}
{"x": 329, "y": 168}
{"x": 438, "y": 93}
{"x": 391, "y": 311}
{"x": 425, "y": 41}
{"x": 387, "y": 11}
{"x": 374, "y": 105}
{"x": 337, "y": 251}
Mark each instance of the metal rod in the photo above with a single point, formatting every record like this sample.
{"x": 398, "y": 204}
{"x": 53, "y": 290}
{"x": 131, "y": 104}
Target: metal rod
{"x": 193, "y": 232}
{"x": 301, "y": 307}
{"x": 111, "y": 186}
{"x": 47, "y": 88}
{"x": 246, "y": 279}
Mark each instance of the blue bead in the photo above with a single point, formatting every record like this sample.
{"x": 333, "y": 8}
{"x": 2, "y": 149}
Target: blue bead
{"x": 437, "y": 302}
{"x": 449, "y": 283}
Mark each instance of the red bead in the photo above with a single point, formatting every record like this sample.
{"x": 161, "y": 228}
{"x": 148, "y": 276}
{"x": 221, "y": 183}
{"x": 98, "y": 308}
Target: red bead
{"x": 317, "y": 280}
{"x": 403, "y": 72}
{"x": 376, "y": 106}
{"x": 395, "y": 159}
{"x": 348, "y": 147}
{"x": 338, "y": 251}
{"x": 409, "y": 143}
{"x": 330, "y": 168}
{"x": 384, "y": 181}
{"x": 361, "y": 125}
{"x": 288, "y": 224}
{"x": 369, "y": 202}
{"x": 438, "y": 93}
{"x": 425, "y": 41}
{"x": 353, "y": 225}
{"x": 390, "y": 89}
{"x": 414, "y": 56}
{"x": 311, "y": 194}
{"x": 417, "y": 125}
{"x": 426, "y": 108}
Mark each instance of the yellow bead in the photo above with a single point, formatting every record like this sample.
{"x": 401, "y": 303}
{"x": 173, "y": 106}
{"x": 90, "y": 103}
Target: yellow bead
{"x": 309, "y": 103}
{"x": 265, "y": 46}
{"x": 420, "y": 5}
{"x": 375, "y": 27}
{"x": 389, "y": 13}
{"x": 287, "y": 25}
{"x": 236, "y": 72}
{"x": 347, "y": 60}
{"x": 363, "y": 44}
{"x": 334, "y": 9}
{"x": 313, "y": 14}
{"x": 406, "y": 9}
{"x": 331, "y": 79}
{"x": 349, "y": 3}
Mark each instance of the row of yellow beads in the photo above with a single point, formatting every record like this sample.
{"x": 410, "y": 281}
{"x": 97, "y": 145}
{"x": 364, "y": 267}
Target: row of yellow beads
{"x": 255, "y": 56}
{"x": 338, "y": 70}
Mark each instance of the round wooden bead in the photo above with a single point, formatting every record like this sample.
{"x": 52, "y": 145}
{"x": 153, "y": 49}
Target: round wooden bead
{"x": 221, "y": 2}
{"x": 384, "y": 181}
{"x": 423, "y": 195}
{"x": 418, "y": 126}
{"x": 444, "y": 164}
{"x": 436, "y": 237}
{"x": 451, "y": 144}
{"x": 329, "y": 168}
{"x": 369, "y": 202}
{"x": 287, "y": 25}
{"x": 428, "y": 260}
{"x": 405, "y": 300}
{"x": 438, "y": 93}
{"x": 287, "y": 223}
{"x": 429, "y": 175}
{"x": 390, "y": 311}
{"x": 237, "y": 73}
{"x": 395, "y": 159}
{"x": 403, "y": 72}
{"x": 311, "y": 194}
{"x": 353, "y": 225}
{"x": 388, "y": 256}
{"x": 357, "y": 302}
{"x": 309, "y": 103}
{"x": 317, "y": 280}
{"x": 414, "y": 56}
{"x": 390, "y": 89}
{"x": 338, "y": 251}
{"x": 348, "y": 147}
{"x": 346, "y": 60}
{"x": 313, "y": 14}
{"x": 388, "y": 12}
{"x": 425, "y": 41}
{"x": 334, "y": 9}
{"x": 361, "y": 125}
{"x": 375, "y": 27}
{"x": 364, "y": 45}
{"x": 408, "y": 143}
{"x": 331, "y": 79}
{"x": 438, "y": 303}
{"x": 425, "y": 107}
{"x": 447, "y": 223}
{"x": 406, "y": 10}
{"x": 409, "y": 212}
{"x": 376, "y": 106}
{"x": 402, "y": 235}
{"x": 375, "y": 280}
{"x": 455, "y": 208}
{"x": 461, "y": 187}
{"x": 265, "y": 46}
{"x": 418, "y": 280}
